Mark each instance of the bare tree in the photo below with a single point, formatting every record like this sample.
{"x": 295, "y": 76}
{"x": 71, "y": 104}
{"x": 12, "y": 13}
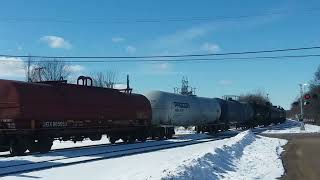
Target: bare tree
{"x": 107, "y": 79}
{"x": 28, "y": 65}
{"x": 47, "y": 70}
{"x": 316, "y": 80}
{"x": 99, "y": 79}
{"x": 311, "y": 107}
{"x": 258, "y": 97}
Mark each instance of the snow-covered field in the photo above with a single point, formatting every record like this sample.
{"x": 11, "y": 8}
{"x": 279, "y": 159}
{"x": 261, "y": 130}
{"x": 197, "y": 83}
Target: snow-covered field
{"x": 244, "y": 156}
{"x": 292, "y": 126}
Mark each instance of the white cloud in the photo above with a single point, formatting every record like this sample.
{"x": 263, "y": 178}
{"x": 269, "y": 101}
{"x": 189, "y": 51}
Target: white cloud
{"x": 210, "y": 47}
{"x": 186, "y": 41}
{"x": 11, "y": 67}
{"x": 117, "y": 39}
{"x": 184, "y": 36}
{"x": 191, "y": 33}
{"x": 131, "y": 49}
{"x": 120, "y": 86}
{"x": 76, "y": 68}
{"x": 162, "y": 66}
{"x": 56, "y": 42}
{"x": 159, "y": 68}
{"x": 225, "y": 82}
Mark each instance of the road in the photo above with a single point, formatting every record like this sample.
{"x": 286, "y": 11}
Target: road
{"x": 301, "y": 158}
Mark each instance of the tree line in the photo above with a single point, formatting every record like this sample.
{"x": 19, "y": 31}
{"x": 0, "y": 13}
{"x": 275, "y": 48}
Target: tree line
{"x": 311, "y": 103}
{"x": 57, "y": 70}
{"x": 258, "y": 97}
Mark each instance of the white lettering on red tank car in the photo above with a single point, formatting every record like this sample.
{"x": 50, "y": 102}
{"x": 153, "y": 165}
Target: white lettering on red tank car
{"x": 48, "y": 124}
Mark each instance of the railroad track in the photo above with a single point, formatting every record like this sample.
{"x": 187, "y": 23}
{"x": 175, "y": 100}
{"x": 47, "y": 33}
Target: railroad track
{"x": 83, "y": 154}
{"x": 65, "y": 149}
{"x": 257, "y": 130}
{"x": 76, "y": 148}
{"x": 98, "y": 154}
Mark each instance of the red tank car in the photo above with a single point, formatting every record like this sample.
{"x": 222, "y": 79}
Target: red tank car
{"x": 32, "y": 115}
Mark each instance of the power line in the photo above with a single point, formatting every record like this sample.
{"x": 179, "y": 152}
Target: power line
{"x": 142, "y": 20}
{"x": 162, "y": 56}
{"x": 182, "y": 60}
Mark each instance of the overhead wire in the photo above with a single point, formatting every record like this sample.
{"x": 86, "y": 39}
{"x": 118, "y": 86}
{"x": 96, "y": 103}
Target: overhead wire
{"x": 180, "y": 60}
{"x": 142, "y": 20}
{"x": 162, "y": 56}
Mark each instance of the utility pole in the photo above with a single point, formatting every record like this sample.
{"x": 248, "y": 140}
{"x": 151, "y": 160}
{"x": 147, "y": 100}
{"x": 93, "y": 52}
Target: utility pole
{"x": 301, "y": 102}
{"x": 28, "y": 68}
{"x": 301, "y": 106}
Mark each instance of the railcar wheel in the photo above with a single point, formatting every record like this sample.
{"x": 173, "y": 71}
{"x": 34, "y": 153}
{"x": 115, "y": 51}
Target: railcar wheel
{"x": 124, "y": 139}
{"x": 142, "y": 138}
{"x": 112, "y": 139}
{"x": 132, "y": 139}
{"x": 45, "y": 147}
{"x": 17, "y": 147}
{"x": 198, "y": 129}
{"x": 169, "y": 135}
{"x": 96, "y": 137}
{"x": 45, "y": 144}
{"x": 153, "y": 137}
{"x": 161, "y": 134}
{"x": 33, "y": 147}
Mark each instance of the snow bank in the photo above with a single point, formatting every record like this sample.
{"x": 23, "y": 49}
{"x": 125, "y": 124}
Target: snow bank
{"x": 292, "y": 126}
{"x": 244, "y": 156}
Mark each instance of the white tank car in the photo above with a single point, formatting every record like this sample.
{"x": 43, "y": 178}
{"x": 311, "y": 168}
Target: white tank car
{"x": 182, "y": 110}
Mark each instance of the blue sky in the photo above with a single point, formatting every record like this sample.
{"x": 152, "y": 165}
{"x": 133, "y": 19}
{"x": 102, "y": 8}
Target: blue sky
{"x": 35, "y": 27}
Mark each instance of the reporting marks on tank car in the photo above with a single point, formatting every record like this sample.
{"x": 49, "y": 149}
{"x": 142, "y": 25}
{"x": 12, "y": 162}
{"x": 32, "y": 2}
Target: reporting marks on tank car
{"x": 181, "y": 105}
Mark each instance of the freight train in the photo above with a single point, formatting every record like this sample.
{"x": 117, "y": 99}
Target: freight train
{"x": 33, "y": 115}
{"x": 210, "y": 114}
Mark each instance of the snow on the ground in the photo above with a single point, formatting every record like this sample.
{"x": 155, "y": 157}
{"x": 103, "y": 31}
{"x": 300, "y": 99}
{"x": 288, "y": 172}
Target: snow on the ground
{"x": 87, "y": 142}
{"x": 245, "y": 156}
{"x": 293, "y": 126}
{"x": 182, "y": 130}
{"x": 70, "y": 144}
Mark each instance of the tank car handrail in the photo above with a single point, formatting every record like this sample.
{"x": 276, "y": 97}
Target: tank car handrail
{"x": 80, "y": 78}
{"x": 89, "y": 78}
{"x": 84, "y": 80}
